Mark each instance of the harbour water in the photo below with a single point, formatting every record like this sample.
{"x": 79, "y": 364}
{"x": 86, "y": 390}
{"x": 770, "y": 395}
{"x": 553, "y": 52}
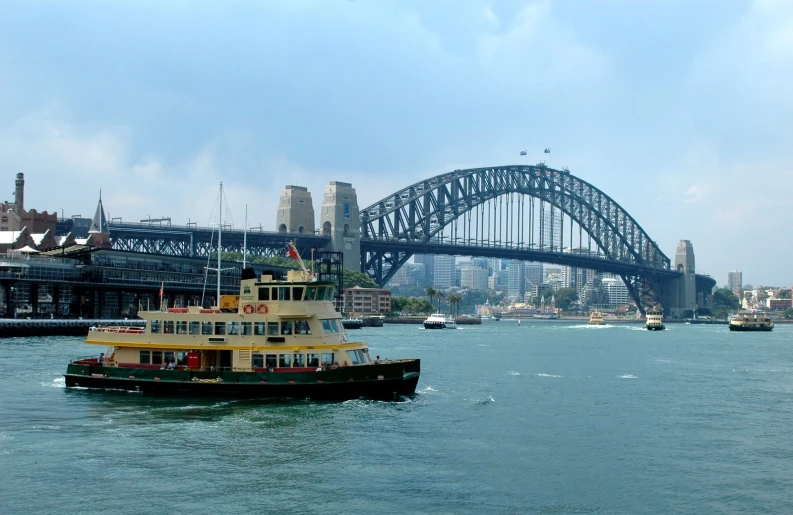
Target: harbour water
{"x": 542, "y": 417}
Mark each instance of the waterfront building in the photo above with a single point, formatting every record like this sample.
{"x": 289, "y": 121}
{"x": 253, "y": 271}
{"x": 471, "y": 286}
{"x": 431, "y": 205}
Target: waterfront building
{"x": 735, "y": 281}
{"x": 366, "y": 301}
{"x": 445, "y": 273}
{"x": 14, "y": 216}
{"x": 474, "y": 278}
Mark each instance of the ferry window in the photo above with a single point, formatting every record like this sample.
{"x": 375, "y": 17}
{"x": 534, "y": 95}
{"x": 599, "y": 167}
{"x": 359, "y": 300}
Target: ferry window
{"x": 195, "y": 327}
{"x": 234, "y": 328}
{"x": 330, "y": 292}
{"x": 258, "y": 360}
{"x": 361, "y": 356}
{"x": 300, "y": 360}
{"x": 206, "y": 328}
{"x": 311, "y": 292}
{"x": 334, "y": 324}
{"x": 284, "y": 360}
{"x": 301, "y": 327}
{"x": 272, "y": 328}
{"x": 327, "y": 358}
{"x": 286, "y": 327}
{"x": 353, "y": 358}
{"x": 312, "y": 360}
{"x": 258, "y": 328}
{"x": 168, "y": 327}
{"x": 169, "y": 356}
{"x": 264, "y": 293}
{"x": 326, "y": 326}
{"x": 181, "y": 327}
{"x": 271, "y": 360}
{"x": 181, "y": 358}
{"x": 155, "y": 326}
{"x": 297, "y": 293}
{"x": 145, "y": 357}
{"x": 156, "y": 357}
{"x": 283, "y": 293}
{"x": 220, "y": 327}
{"x": 246, "y": 329}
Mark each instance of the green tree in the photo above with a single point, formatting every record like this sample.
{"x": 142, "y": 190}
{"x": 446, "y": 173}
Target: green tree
{"x": 409, "y": 305}
{"x": 789, "y": 313}
{"x": 431, "y": 292}
{"x": 440, "y": 296}
{"x": 351, "y": 278}
{"x": 724, "y": 299}
{"x": 454, "y": 302}
{"x": 565, "y": 297}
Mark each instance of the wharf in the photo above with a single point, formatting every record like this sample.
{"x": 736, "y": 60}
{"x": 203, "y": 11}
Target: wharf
{"x": 54, "y": 327}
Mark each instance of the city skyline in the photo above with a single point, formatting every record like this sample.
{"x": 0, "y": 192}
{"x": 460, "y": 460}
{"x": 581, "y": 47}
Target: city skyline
{"x": 669, "y": 108}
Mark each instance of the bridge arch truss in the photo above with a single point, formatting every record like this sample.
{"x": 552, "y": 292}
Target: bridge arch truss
{"x": 525, "y": 212}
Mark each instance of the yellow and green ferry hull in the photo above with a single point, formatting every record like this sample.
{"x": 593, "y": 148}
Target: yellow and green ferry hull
{"x": 386, "y": 381}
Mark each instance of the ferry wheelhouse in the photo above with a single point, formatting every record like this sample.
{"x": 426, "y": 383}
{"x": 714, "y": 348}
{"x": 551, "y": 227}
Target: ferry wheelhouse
{"x": 281, "y": 337}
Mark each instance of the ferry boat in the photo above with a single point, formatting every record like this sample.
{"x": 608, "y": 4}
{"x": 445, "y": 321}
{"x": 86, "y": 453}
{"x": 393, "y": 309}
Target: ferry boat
{"x": 440, "y": 321}
{"x": 352, "y": 323}
{"x": 596, "y": 318}
{"x": 280, "y": 337}
{"x": 751, "y": 321}
{"x": 655, "y": 320}
{"x": 284, "y": 339}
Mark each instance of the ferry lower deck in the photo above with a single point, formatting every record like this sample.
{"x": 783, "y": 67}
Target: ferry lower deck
{"x": 386, "y": 381}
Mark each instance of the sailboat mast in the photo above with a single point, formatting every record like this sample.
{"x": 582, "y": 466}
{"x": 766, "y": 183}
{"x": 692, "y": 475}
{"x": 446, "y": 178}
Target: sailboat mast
{"x": 220, "y": 235}
{"x": 245, "y": 238}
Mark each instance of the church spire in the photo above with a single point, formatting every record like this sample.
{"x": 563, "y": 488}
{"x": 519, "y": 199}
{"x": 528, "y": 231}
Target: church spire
{"x": 99, "y": 223}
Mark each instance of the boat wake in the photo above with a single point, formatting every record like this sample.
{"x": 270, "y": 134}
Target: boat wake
{"x": 58, "y": 382}
{"x": 547, "y": 375}
{"x": 428, "y": 389}
{"x": 628, "y": 376}
{"x": 591, "y": 326}
{"x": 513, "y": 373}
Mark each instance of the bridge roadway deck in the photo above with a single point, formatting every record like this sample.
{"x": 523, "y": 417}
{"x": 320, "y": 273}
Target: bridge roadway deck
{"x": 523, "y": 254}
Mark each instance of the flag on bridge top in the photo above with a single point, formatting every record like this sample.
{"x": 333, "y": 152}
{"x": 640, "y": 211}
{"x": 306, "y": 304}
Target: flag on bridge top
{"x": 523, "y": 152}
{"x": 547, "y": 150}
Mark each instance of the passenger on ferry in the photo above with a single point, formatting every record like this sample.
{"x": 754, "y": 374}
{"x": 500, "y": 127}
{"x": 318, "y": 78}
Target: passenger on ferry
{"x": 171, "y": 365}
{"x": 377, "y": 361}
{"x": 101, "y": 358}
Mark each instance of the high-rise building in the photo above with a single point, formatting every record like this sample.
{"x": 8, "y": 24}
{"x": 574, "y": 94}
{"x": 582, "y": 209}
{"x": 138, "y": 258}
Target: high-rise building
{"x": 533, "y": 274}
{"x": 445, "y": 273}
{"x": 474, "y": 278}
{"x": 517, "y": 280}
{"x": 428, "y": 260}
{"x": 735, "y": 282}
{"x": 617, "y": 291}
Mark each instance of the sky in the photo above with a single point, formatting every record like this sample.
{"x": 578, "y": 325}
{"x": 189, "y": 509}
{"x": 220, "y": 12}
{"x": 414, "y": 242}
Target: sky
{"x": 680, "y": 111}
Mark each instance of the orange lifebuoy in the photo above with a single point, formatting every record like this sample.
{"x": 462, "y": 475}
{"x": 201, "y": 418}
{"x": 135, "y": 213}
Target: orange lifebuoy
{"x": 261, "y": 309}
{"x": 247, "y": 309}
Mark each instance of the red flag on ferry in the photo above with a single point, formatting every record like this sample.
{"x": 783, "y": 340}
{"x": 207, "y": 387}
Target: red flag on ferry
{"x": 291, "y": 251}
{"x": 161, "y": 288}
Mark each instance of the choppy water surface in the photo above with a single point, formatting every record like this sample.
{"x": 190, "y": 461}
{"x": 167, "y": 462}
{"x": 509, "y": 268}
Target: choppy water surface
{"x": 545, "y": 417}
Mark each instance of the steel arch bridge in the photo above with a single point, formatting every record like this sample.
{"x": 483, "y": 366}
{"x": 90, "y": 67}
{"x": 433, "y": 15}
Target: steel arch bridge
{"x": 517, "y": 212}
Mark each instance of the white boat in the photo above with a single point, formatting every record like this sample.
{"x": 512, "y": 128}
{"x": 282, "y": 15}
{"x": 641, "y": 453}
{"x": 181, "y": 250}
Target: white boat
{"x": 440, "y": 321}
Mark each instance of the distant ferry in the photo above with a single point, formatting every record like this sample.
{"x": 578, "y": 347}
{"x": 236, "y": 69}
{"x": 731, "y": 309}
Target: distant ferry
{"x": 655, "y": 320}
{"x": 440, "y": 321}
{"x": 751, "y": 321}
{"x": 596, "y": 318}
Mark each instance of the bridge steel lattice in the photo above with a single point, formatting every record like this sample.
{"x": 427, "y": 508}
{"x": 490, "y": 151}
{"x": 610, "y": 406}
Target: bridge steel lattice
{"x": 190, "y": 241}
{"x": 516, "y": 212}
